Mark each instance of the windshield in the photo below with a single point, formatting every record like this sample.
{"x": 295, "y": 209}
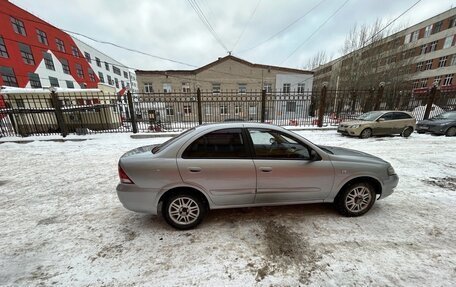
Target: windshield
{"x": 446, "y": 116}
{"x": 370, "y": 116}
{"x": 170, "y": 141}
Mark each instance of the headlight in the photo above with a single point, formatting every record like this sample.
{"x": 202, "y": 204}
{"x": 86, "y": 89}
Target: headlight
{"x": 354, "y": 126}
{"x": 391, "y": 171}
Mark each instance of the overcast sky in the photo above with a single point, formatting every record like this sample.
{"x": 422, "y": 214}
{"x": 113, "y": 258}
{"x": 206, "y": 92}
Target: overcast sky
{"x": 172, "y": 29}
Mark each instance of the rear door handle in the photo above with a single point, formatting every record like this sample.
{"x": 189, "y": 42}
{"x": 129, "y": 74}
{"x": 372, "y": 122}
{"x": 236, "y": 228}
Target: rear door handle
{"x": 194, "y": 169}
{"x": 266, "y": 169}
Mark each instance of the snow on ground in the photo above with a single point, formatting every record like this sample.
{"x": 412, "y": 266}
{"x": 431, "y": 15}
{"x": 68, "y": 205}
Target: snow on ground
{"x": 62, "y": 224}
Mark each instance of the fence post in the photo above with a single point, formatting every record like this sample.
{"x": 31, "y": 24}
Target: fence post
{"x": 58, "y": 114}
{"x": 131, "y": 110}
{"x": 198, "y": 98}
{"x": 321, "y": 107}
{"x": 378, "y": 99}
{"x": 263, "y": 105}
{"x": 430, "y": 102}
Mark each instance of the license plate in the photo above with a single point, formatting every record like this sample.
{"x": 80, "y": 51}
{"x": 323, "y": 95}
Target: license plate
{"x": 424, "y": 128}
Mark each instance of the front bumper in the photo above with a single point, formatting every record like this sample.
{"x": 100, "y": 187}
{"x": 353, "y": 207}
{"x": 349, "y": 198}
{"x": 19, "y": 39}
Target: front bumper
{"x": 349, "y": 131}
{"x": 389, "y": 185}
{"x": 138, "y": 199}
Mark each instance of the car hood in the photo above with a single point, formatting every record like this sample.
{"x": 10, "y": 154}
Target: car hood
{"x": 138, "y": 151}
{"x": 340, "y": 153}
{"x": 435, "y": 122}
{"x": 355, "y": 122}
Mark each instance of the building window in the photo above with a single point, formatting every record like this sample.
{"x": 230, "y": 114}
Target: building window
{"x": 148, "y": 88}
{"x": 169, "y": 111}
{"x": 437, "y": 27}
{"x": 423, "y": 83}
{"x": 419, "y": 66}
{"x": 60, "y": 45}
{"x": 54, "y": 82}
{"x": 252, "y": 110}
{"x": 416, "y": 84}
{"x": 415, "y": 36}
{"x": 20, "y": 103}
{"x": 26, "y": 54}
{"x": 437, "y": 80}
{"x": 116, "y": 81}
{"x": 291, "y": 107}
{"x": 107, "y": 66}
{"x": 48, "y": 61}
{"x": 65, "y": 66}
{"x": 423, "y": 49}
{"x": 8, "y": 76}
{"x": 427, "y": 31}
{"x": 34, "y": 80}
{"x": 166, "y": 88}
{"x": 3, "y": 51}
{"x": 453, "y": 60}
{"x": 100, "y": 75}
{"x": 116, "y": 70}
{"x": 88, "y": 58}
{"x": 91, "y": 75}
{"x": 216, "y": 88}
{"x": 301, "y": 87}
{"x": 79, "y": 71}
{"x": 242, "y": 88}
{"x": 268, "y": 88}
{"x": 223, "y": 110}
{"x": 42, "y": 37}
{"x": 98, "y": 61}
{"x": 452, "y": 22}
{"x": 208, "y": 110}
{"x": 448, "y": 80}
{"x": 187, "y": 110}
{"x": 186, "y": 87}
{"x": 407, "y": 38}
{"x": 18, "y": 26}
{"x": 75, "y": 51}
{"x": 286, "y": 88}
{"x": 432, "y": 46}
{"x": 70, "y": 84}
{"x": 237, "y": 110}
{"x": 122, "y": 84}
{"x": 448, "y": 42}
{"x": 125, "y": 75}
{"x": 109, "y": 80}
{"x": 442, "y": 61}
{"x": 428, "y": 65}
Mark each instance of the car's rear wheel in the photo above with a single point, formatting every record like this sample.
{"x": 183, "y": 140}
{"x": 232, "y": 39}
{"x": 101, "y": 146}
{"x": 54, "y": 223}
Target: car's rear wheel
{"x": 451, "y": 132}
{"x": 184, "y": 210}
{"x": 407, "y": 132}
{"x": 356, "y": 199}
{"x": 366, "y": 133}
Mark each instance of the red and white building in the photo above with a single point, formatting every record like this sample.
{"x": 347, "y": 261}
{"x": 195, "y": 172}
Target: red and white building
{"x": 35, "y": 54}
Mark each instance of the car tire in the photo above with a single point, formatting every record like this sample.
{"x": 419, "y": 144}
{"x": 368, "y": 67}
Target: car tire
{"x": 184, "y": 210}
{"x": 366, "y": 133}
{"x": 451, "y": 132}
{"x": 407, "y": 132}
{"x": 355, "y": 199}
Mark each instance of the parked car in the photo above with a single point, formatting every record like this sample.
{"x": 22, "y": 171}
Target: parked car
{"x": 230, "y": 165}
{"x": 376, "y": 123}
{"x": 443, "y": 124}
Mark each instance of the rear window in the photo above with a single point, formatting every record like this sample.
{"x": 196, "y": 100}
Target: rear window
{"x": 170, "y": 141}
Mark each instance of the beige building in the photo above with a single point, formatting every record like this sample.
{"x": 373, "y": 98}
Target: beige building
{"x": 230, "y": 88}
{"x": 409, "y": 60}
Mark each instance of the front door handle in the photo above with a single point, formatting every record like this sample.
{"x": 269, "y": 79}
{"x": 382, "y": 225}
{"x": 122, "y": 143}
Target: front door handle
{"x": 194, "y": 169}
{"x": 266, "y": 169}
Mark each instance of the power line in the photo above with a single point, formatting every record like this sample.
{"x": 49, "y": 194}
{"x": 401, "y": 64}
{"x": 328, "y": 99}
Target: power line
{"x": 284, "y": 29}
{"x": 316, "y": 30}
{"x": 246, "y": 24}
{"x": 206, "y": 22}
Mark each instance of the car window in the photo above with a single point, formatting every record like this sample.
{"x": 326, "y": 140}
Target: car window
{"x": 278, "y": 145}
{"x": 388, "y": 117}
{"x": 170, "y": 141}
{"x": 225, "y": 143}
{"x": 401, "y": 116}
{"x": 369, "y": 116}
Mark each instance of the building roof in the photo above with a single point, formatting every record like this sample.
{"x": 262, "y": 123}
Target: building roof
{"x": 219, "y": 61}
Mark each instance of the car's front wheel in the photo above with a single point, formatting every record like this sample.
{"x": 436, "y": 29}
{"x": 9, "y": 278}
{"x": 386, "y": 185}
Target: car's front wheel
{"x": 366, "y": 133}
{"x": 184, "y": 210}
{"x": 356, "y": 199}
{"x": 451, "y": 132}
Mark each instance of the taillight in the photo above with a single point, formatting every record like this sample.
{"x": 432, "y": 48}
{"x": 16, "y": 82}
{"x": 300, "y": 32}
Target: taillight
{"x": 124, "y": 177}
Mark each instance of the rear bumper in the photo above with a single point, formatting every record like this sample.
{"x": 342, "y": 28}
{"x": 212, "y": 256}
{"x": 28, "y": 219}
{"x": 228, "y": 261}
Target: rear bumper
{"x": 389, "y": 185}
{"x": 438, "y": 130}
{"x": 138, "y": 199}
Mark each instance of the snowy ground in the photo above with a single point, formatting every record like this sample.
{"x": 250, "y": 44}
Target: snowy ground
{"x": 62, "y": 224}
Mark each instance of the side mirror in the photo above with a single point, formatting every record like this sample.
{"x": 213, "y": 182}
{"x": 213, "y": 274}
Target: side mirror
{"x": 314, "y": 156}
{"x": 381, "y": 120}
{"x": 272, "y": 140}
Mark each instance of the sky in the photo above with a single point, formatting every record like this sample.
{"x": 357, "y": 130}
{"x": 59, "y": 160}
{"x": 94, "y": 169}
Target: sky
{"x": 172, "y": 29}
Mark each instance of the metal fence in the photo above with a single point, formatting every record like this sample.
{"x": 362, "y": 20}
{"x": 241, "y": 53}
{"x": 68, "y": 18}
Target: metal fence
{"x": 23, "y": 114}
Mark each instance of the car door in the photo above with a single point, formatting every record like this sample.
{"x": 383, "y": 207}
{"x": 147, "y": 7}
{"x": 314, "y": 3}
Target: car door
{"x": 401, "y": 121}
{"x": 385, "y": 124}
{"x": 285, "y": 172}
{"x": 219, "y": 162}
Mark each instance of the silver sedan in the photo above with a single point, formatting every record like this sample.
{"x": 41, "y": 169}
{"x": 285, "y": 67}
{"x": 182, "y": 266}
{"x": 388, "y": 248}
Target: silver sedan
{"x": 232, "y": 165}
